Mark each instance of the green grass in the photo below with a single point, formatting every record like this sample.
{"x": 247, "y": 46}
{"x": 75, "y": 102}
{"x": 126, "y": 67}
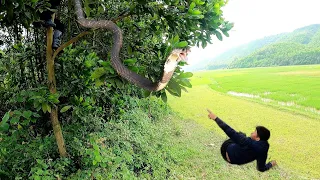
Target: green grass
{"x": 197, "y": 153}
{"x": 295, "y": 139}
{"x": 298, "y": 84}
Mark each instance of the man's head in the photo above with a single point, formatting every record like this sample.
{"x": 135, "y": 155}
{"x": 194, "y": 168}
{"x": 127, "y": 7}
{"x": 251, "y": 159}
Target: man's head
{"x": 261, "y": 133}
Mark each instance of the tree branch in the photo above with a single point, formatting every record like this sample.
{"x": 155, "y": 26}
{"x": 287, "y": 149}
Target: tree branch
{"x": 121, "y": 16}
{"x": 53, "y": 89}
{"x": 75, "y": 39}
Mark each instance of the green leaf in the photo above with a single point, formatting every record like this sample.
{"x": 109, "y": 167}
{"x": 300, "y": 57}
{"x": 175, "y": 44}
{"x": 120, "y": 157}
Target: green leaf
{"x": 146, "y": 93}
{"x": 103, "y": 165}
{"x": 118, "y": 83}
{"x": 80, "y": 99}
{"x": 176, "y": 39}
{"x": 129, "y": 50}
{"x": 20, "y": 99}
{"x": 130, "y": 61}
{"x": 36, "y": 104}
{"x": 225, "y": 33}
{"x": 27, "y": 114}
{"x": 217, "y": 6}
{"x": 14, "y": 120}
{"x": 98, "y": 158}
{"x": 171, "y": 92}
{"x": 184, "y": 89}
{"x": 185, "y": 75}
{"x": 164, "y": 97}
{"x": 186, "y": 82}
{"x": 195, "y": 12}
{"x": 196, "y": 16}
{"x": 199, "y": 2}
{"x": 134, "y": 69}
{"x": 192, "y": 5}
{"x": 104, "y": 63}
{"x": 4, "y": 126}
{"x": 98, "y": 82}
{"x": 182, "y": 44}
{"x": 89, "y": 63}
{"x": 229, "y": 26}
{"x": 36, "y": 115}
{"x": 96, "y": 147}
{"x": 168, "y": 50}
{"x": 173, "y": 85}
{"x": 6, "y": 117}
{"x": 64, "y": 109}
{"x": 219, "y": 36}
{"x": 100, "y": 10}
{"x": 41, "y": 147}
{"x": 98, "y": 73}
{"x": 17, "y": 113}
{"x": 48, "y": 108}
{"x": 87, "y": 9}
{"x": 44, "y": 107}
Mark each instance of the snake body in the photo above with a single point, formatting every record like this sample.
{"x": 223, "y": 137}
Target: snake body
{"x": 122, "y": 70}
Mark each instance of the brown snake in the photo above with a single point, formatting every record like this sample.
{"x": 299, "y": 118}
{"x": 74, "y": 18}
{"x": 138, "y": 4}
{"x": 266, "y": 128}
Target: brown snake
{"x": 169, "y": 67}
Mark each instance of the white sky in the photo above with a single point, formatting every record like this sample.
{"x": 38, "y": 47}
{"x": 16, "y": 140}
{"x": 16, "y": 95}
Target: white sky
{"x": 255, "y": 19}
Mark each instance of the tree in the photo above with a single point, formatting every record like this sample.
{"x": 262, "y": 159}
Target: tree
{"x": 151, "y": 29}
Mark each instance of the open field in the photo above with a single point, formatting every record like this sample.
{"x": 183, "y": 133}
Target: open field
{"x": 293, "y": 87}
{"x": 197, "y": 154}
{"x": 295, "y": 138}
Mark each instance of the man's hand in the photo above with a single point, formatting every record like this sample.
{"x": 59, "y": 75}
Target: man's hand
{"x": 274, "y": 163}
{"x": 211, "y": 115}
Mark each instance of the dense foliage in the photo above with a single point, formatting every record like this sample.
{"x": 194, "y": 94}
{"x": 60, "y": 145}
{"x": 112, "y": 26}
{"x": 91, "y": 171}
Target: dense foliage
{"x": 109, "y": 129}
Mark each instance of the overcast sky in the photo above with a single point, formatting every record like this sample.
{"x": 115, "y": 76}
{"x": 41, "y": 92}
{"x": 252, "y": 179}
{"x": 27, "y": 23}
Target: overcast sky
{"x": 255, "y": 19}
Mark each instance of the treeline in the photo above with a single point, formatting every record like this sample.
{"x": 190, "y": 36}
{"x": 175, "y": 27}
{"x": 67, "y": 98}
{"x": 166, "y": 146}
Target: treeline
{"x": 282, "y": 54}
{"x": 300, "y": 47}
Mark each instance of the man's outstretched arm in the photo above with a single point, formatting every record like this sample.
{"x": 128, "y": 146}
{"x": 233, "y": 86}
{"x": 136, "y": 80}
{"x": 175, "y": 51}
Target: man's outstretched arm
{"x": 235, "y": 136}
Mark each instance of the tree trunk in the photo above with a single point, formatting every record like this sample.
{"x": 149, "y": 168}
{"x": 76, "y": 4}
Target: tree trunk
{"x": 52, "y": 87}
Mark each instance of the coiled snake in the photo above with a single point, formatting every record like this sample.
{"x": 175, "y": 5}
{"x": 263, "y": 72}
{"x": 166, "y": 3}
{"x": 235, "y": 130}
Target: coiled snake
{"x": 171, "y": 63}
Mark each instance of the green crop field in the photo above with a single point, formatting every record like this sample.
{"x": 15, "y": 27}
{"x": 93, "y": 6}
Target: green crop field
{"x": 292, "y": 87}
{"x": 295, "y": 126}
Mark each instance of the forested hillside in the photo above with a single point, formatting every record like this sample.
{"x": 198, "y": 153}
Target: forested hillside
{"x": 302, "y": 46}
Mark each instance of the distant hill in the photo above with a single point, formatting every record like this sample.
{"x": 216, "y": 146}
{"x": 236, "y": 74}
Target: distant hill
{"x": 302, "y": 46}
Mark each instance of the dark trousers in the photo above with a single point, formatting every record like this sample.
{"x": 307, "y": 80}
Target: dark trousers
{"x": 224, "y": 148}
{"x": 46, "y": 15}
{"x": 225, "y": 145}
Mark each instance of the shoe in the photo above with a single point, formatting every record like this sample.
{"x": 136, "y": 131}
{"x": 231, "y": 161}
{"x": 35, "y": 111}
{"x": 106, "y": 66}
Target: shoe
{"x": 49, "y": 23}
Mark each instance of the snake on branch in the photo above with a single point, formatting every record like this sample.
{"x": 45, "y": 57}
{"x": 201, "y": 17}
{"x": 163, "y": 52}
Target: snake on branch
{"x": 170, "y": 65}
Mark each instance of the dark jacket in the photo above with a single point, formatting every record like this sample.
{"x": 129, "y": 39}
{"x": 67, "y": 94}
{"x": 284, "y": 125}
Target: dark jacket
{"x": 245, "y": 150}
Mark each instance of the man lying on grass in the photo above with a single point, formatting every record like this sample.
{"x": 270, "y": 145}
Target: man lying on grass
{"x": 240, "y": 149}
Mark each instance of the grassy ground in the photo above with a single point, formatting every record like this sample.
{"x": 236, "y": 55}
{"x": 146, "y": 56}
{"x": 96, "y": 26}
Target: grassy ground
{"x": 299, "y": 85}
{"x": 197, "y": 151}
{"x": 295, "y": 141}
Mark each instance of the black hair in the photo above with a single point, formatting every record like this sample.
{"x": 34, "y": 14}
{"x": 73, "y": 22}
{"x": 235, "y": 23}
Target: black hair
{"x": 263, "y": 133}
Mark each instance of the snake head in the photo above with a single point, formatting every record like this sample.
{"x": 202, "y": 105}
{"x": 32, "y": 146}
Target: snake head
{"x": 182, "y": 54}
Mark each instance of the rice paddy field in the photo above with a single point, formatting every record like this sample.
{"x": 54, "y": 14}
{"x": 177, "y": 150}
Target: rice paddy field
{"x": 284, "y": 99}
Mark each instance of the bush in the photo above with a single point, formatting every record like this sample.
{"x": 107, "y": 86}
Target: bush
{"x": 133, "y": 146}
